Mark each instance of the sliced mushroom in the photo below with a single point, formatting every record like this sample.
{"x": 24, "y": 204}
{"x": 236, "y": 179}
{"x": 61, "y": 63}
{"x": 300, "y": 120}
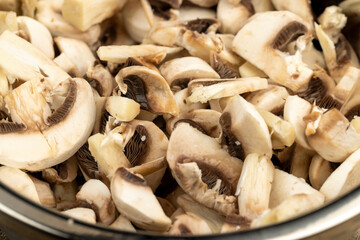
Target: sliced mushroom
{"x": 262, "y": 5}
{"x": 291, "y": 207}
{"x": 212, "y": 218}
{"x": 254, "y": 186}
{"x": 233, "y": 14}
{"x": 95, "y": 194}
{"x": 124, "y": 109}
{"x": 45, "y": 193}
{"x": 148, "y": 88}
{"x": 38, "y": 35}
{"x": 4, "y": 86}
{"x": 49, "y": 14}
{"x": 8, "y": 21}
{"x": 179, "y": 71}
{"x": 67, "y": 65}
{"x": 189, "y": 224}
{"x": 82, "y": 214}
{"x": 265, "y": 51}
{"x": 84, "y": 14}
{"x": 135, "y": 200}
{"x": 203, "y": 169}
{"x": 343, "y": 179}
{"x": 300, "y": 162}
{"x": 64, "y": 172}
{"x": 295, "y": 109}
{"x": 334, "y": 138}
{"x": 319, "y": 171}
{"x": 123, "y": 224}
{"x": 64, "y": 131}
{"x": 222, "y": 66}
{"x": 189, "y": 12}
{"x": 65, "y": 195}
{"x": 351, "y": 108}
{"x": 205, "y": 3}
{"x": 203, "y": 90}
{"x": 249, "y": 70}
{"x": 16, "y": 52}
{"x": 286, "y": 185}
{"x": 243, "y": 129}
{"x": 183, "y": 105}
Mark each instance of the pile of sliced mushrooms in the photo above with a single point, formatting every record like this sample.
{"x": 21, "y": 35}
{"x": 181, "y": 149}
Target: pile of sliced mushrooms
{"x": 179, "y": 117}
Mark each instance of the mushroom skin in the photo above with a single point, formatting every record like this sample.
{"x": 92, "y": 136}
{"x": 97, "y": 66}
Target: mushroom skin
{"x": 203, "y": 169}
{"x": 274, "y": 30}
{"x": 68, "y": 129}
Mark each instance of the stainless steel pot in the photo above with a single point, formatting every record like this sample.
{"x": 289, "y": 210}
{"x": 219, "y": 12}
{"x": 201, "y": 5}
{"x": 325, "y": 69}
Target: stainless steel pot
{"x": 23, "y": 219}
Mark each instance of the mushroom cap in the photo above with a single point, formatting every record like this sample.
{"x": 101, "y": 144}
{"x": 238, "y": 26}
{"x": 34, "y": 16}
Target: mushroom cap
{"x": 274, "y": 30}
{"x": 203, "y": 169}
{"x": 68, "y": 130}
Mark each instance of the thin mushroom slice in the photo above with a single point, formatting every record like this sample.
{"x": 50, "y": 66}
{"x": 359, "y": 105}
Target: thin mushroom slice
{"x": 319, "y": 171}
{"x": 38, "y": 35}
{"x": 45, "y": 193}
{"x": 271, "y": 99}
{"x": 135, "y": 200}
{"x": 203, "y": 90}
{"x": 212, "y": 218}
{"x": 151, "y": 53}
{"x": 233, "y": 14}
{"x": 35, "y": 65}
{"x": 295, "y": 205}
{"x": 254, "y": 186}
{"x": 95, "y": 194}
{"x": 203, "y": 169}
{"x": 78, "y": 51}
{"x": 189, "y": 224}
{"x": 333, "y": 137}
{"x": 82, "y": 214}
{"x": 286, "y": 185}
{"x": 344, "y": 178}
{"x": 63, "y": 172}
{"x": 243, "y": 129}
{"x": 65, "y": 131}
{"x": 300, "y": 162}
{"x": 49, "y": 14}
{"x": 295, "y": 109}
{"x": 148, "y": 88}
{"x": 265, "y": 51}
{"x": 123, "y": 224}
{"x": 179, "y": 71}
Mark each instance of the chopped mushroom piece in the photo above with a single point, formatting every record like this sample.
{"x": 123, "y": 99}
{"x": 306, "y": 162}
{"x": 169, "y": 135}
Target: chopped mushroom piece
{"x": 135, "y": 200}
{"x": 274, "y": 30}
{"x": 8, "y": 21}
{"x": 82, "y": 214}
{"x": 124, "y": 109}
{"x": 319, "y": 171}
{"x": 189, "y": 224}
{"x": 122, "y": 223}
{"x": 300, "y": 162}
{"x": 45, "y": 193}
{"x": 63, "y": 172}
{"x": 104, "y": 81}
{"x": 249, "y": 70}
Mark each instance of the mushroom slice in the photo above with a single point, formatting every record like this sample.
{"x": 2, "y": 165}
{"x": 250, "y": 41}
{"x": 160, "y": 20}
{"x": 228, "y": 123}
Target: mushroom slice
{"x": 8, "y": 21}
{"x": 35, "y": 65}
{"x": 63, "y": 172}
{"x": 189, "y": 224}
{"x": 179, "y": 71}
{"x": 300, "y": 162}
{"x": 271, "y": 99}
{"x": 5, "y": 87}
{"x": 203, "y": 169}
{"x": 107, "y": 153}
{"x": 166, "y": 205}
{"x": 293, "y": 206}
{"x": 203, "y": 90}
{"x": 65, "y": 195}
{"x": 333, "y": 138}
{"x": 235, "y": 223}
{"x": 45, "y": 193}
{"x": 223, "y": 67}
{"x": 123, "y": 224}
{"x": 344, "y": 178}
{"x": 38, "y": 35}
{"x": 301, "y": 8}
{"x": 67, "y": 129}
{"x": 212, "y": 218}
{"x": 282, "y": 132}
{"x": 254, "y": 186}
{"x": 151, "y": 53}
{"x": 78, "y": 51}
{"x": 286, "y": 185}
{"x": 87, "y": 164}
{"x": 295, "y": 109}
{"x": 67, "y": 65}
{"x": 20, "y": 182}
{"x": 262, "y": 5}
{"x": 243, "y": 129}
{"x": 207, "y": 119}
{"x": 95, "y": 194}
{"x": 249, "y": 70}
{"x": 233, "y": 14}
{"x": 265, "y": 51}
{"x": 148, "y": 88}
{"x": 82, "y": 214}
{"x": 319, "y": 171}
{"x": 49, "y": 14}
{"x": 191, "y": 12}
{"x": 135, "y": 200}
{"x": 104, "y": 81}
{"x": 124, "y": 109}
{"x": 184, "y": 106}
{"x": 84, "y": 14}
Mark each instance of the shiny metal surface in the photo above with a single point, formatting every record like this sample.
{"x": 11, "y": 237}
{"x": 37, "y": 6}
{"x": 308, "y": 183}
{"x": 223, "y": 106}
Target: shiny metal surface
{"x": 23, "y": 219}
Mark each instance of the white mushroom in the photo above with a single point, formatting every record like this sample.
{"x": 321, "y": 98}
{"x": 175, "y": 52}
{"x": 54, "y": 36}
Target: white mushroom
{"x": 82, "y": 214}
